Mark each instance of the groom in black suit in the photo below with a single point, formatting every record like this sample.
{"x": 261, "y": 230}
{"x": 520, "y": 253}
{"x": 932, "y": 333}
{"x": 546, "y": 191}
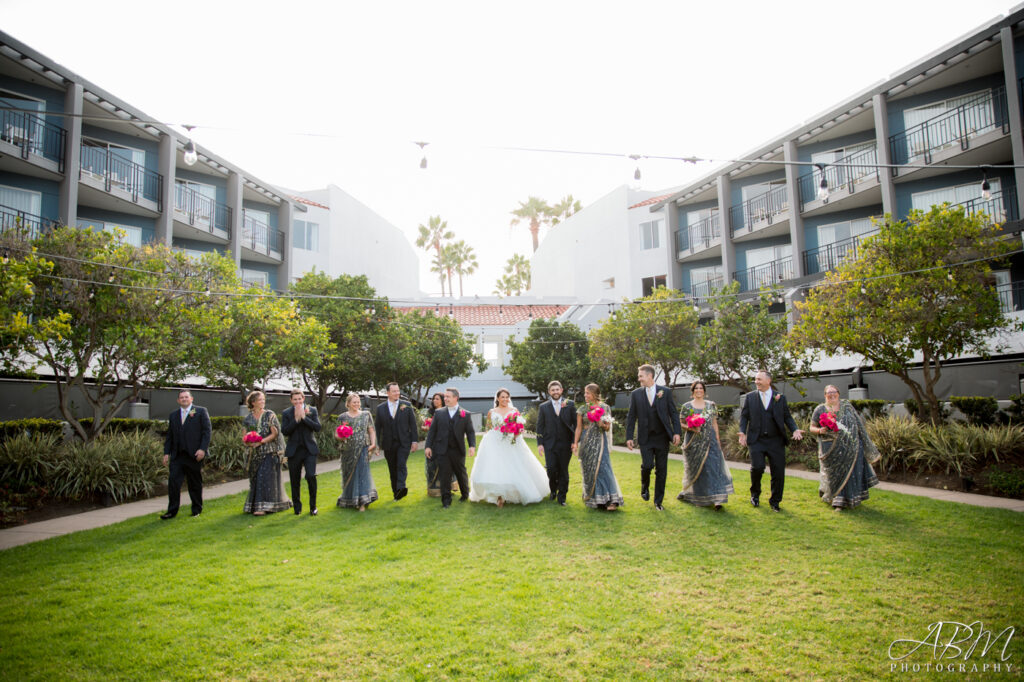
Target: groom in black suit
{"x": 764, "y": 418}
{"x": 188, "y": 439}
{"x": 299, "y": 423}
{"x": 653, "y": 410}
{"x": 556, "y": 431}
{"x": 397, "y": 435}
{"x": 446, "y": 440}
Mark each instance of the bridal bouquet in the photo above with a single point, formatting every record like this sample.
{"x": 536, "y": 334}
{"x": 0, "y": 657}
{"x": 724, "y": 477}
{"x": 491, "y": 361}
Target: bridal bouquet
{"x": 512, "y": 426}
{"x": 344, "y": 431}
{"x": 598, "y": 416}
{"x": 695, "y": 421}
{"x": 252, "y": 437}
{"x": 828, "y": 421}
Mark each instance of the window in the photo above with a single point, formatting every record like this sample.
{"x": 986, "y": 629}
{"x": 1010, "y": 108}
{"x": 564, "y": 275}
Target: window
{"x": 254, "y": 278}
{"x": 651, "y": 283}
{"x": 764, "y": 266}
{"x": 491, "y": 348}
{"x": 760, "y": 189}
{"x": 649, "y": 235}
{"x": 17, "y": 127}
{"x": 128, "y": 234}
{"x": 306, "y": 235}
{"x": 953, "y": 195}
{"x": 1004, "y": 289}
{"x": 837, "y": 232}
{"x": 943, "y": 131}
{"x": 710, "y": 273}
{"x": 19, "y": 203}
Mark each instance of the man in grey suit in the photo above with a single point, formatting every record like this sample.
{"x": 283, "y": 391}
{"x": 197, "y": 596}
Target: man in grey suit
{"x": 188, "y": 439}
{"x": 299, "y": 423}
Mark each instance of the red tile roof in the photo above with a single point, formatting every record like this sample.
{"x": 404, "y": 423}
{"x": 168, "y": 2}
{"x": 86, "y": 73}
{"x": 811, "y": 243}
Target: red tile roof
{"x": 310, "y": 202}
{"x": 652, "y": 200}
{"x": 494, "y": 315}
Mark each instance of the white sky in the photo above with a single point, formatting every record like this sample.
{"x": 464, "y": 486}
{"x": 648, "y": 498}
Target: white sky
{"x": 265, "y": 81}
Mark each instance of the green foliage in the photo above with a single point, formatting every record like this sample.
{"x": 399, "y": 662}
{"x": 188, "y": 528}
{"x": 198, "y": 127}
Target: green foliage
{"x": 921, "y": 412}
{"x": 727, "y": 414}
{"x": 17, "y": 427}
{"x": 217, "y": 423}
{"x": 742, "y": 339}
{"x": 325, "y": 437}
{"x": 227, "y": 452}
{"x": 943, "y": 307}
{"x": 120, "y": 466}
{"x": 433, "y": 235}
{"x": 125, "y": 425}
{"x": 802, "y": 410}
{"x": 551, "y": 351}
{"x": 27, "y": 461}
{"x": 870, "y": 409}
{"x": 535, "y": 212}
{"x": 949, "y": 448}
{"x": 1016, "y": 409}
{"x": 530, "y": 416}
{"x": 896, "y": 439}
{"x": 979, "y": 410}
{"x": 1009, "y": 482}
{"x": 729, "y": 433}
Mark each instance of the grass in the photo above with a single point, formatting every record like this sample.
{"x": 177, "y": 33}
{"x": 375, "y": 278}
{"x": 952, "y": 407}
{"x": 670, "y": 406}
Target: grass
{"x": 409, "y": 591}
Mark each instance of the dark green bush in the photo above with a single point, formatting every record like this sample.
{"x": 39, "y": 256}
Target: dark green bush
{"x": 27, "y": 461}
{"x": 120, "y": 466}
{"x": 979, "y": 410}
{"x": 227, "y": 452}
{"x": 1016, "y": 409}
{"x": 912, "y": 410}
{"x": 870, "y": 409}
{"x": 325, "y": 438}
{"x": 531, "y": 419}
{"x": 1009, "y": 482}
{"x": 17, "y": 427}
{"x": 124, "y": 425}
{"x": 802, "y": 409}
{"x": 726, "y": 413}
{"x": 217, "y": 423}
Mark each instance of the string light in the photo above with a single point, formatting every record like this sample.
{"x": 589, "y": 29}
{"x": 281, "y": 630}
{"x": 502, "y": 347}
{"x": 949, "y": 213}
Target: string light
{"x": 422, "y": 146}
{"x": 823, "y": 185}
{"x": 636, "y": 173}
{"x": 986, "y": 188}
{"x": 189, "y": 154}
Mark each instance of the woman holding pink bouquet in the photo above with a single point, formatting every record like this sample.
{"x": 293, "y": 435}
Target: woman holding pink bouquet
{"x": 357, "y": 439}
{"x": 263, "y": 438}
{"x": 706, "y": 477}
{"x": 505, "y": 469}
{"x": 593, "y": 446}
{"x": 845, "y": 452}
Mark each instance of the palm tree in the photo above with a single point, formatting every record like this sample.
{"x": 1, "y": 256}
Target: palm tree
{"x": 518, "y": 267}
{"x": 506, "y": 285}
{"x": 433, "y": 237}
{"x": 565, "y": 209}
{"x": 442, "y": 265}
{"x": 463, "y": 260}
{"x": 537, "y": 212}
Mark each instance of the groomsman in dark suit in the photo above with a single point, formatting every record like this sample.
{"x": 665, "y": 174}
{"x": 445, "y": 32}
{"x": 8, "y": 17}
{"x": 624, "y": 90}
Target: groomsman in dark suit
{"x": 446, "y": 440}
{"x": 188, "y": 439}
{"x": 764, "y": 418}
{"x": 299, "y": 422}
{"x": 556, "y": 430}
{"x": 397, "y": 435}
{"x": 653, "y": 411}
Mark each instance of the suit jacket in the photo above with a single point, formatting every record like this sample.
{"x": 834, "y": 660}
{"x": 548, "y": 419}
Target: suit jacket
{"x": 403, "y": 427}
{"x": 300, "y": 432}
{"x": 664, "y": 407}
{"x": 549, "y": 424}
{"x": 752, "y": 412}
{"x": 443, "y": 426}
{"x": 191, "y": 436}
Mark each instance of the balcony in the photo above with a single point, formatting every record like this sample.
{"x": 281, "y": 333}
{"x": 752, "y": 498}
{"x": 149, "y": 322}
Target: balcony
{"x": 698, "y": 237}
{"x": 260, "y": 238}
{"x": 954, "y": 129}
{"x": 121, "y": 179}
{"x": 34, "y": 137}
{"x": 844, "y": 177}
{"x": 1002, "y": 206}
{"x": 31, "y": 224}
{"x": 761, "y": 211}
{"x": 1011, "y": 296}
{"x": 766, "y": 275}
{"x": 201, "y": 212}
{"x": 705, "y": 289}
{"x": 830, "y": 256}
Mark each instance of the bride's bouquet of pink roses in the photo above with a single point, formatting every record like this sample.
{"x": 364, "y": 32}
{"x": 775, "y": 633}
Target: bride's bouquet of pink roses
{"x": 512, "y": 425}
{"x": 599, "y": 416}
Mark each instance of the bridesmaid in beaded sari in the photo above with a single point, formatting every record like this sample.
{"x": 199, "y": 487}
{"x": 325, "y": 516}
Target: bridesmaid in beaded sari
{"x": 593, "y": 447}
{"x": 357, "y": 489}
{"x": 266, "y": 493}
{"x": 845, "y": 452}
{"x": 706, "y": 477}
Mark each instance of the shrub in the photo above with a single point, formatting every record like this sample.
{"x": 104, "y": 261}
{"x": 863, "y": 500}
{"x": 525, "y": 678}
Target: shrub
{"x": 17, "y": 427}
{"x": 1000, "y": 442}
{"x": 979, "y": 410}
{"x": 120, "y": 466}
{"x": 325, "y": 439}
{"x": 123, "y": 425}
{"x": 802, "y": 409}
{"x": 1016, "y": 409}
{"x": 531, "y": 418}
{"x": 726, "y": 414}
{"x": 227, "y": 453}
{"x": 218, "y": 423}
{"x": 730, "y": 442}
{"x": 871, "y": 409}
{"x": 950, "y": 447}
{"x": 922, "y": 412}
{"x": 27, "y": 461}
{"x": 896, "y": 439}
{"x": 1009, "y": 482}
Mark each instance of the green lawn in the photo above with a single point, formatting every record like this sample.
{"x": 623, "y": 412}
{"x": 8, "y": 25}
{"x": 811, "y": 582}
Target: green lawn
{"x": 407, "y": 590}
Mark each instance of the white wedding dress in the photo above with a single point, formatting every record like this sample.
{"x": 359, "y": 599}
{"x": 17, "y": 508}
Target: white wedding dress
{"x": 507, "y": 470}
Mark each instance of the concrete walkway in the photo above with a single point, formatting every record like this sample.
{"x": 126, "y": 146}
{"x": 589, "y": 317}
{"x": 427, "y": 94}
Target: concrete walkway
{"x": 33, "y": 532}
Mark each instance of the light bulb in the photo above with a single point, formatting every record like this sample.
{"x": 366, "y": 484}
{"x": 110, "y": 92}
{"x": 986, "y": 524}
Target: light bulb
{"x": 190, "y": 155}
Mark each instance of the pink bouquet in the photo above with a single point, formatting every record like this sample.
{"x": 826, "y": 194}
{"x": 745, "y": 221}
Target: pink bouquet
{"x": 695, "y": 421}
{"x": 252, "y": 437}
{"x": 595, "y": 414}
{"x": 827, "y": 420}
{"x": 427, "y": 422}
{"x": 512, "y": 425}
{"x": 344, "y": 431}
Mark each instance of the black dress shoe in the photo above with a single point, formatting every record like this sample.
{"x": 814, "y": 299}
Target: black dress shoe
{"x": 774, "y": 507}
{"x": 554, "y": 495}
{"x": 463, "y": 498}
{"x": 754, "y": 502}
{"x": 196, "y": 513}
{"x": 401, "y": 492}
{"x": 168, "y": 515}
{"x": 314, "y": 511}
{"x": 645, "y": 494}
{"x": 658, "y": 507}
{"x": 562, "y": 503}
{"x": 297, "y": 508}
{"x": 446, "y": 505}
{"x": 718, "y": 507}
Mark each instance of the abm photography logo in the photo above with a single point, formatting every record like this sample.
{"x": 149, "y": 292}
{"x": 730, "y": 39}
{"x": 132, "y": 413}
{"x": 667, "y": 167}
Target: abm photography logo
{"x": 954, "y": 647}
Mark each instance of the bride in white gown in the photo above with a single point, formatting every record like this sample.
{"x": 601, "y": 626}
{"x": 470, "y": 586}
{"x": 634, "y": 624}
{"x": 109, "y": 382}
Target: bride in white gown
{"x": 506, "y": 471}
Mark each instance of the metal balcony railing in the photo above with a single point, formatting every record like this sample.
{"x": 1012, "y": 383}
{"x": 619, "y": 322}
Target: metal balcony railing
{"x": 758, "y": 209}
{"x": 260, "y": 237}
{"x": 846, "y": 172}
{"x": 201, "y": 211}
{"x": 1011, "y": 296}
{"x": 765, "y": 275}
{"x": 1000, "y": 208}
{"x": 29, "y": 223}
{"x": 704, "y": 289}
{"x": 121, "y": 174}
{"x": 35, "y": 136}
{"x": 982, "y": 114}
{"x": 700, "y": 235}
{"x": 830, "y": 256}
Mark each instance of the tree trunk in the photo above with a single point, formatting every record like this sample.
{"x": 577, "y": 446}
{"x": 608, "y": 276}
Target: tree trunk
{"x": 534, "y": 231}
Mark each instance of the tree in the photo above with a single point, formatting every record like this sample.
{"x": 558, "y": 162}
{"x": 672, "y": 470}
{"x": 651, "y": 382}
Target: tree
{"x": 565, "y": 209}
{"x": 743, "y": 338}
{"x": 519, "y": 267}
{"x": 506, "y": 285}
{"x": 463, "y": 259}
{"x": 425, "y": 349}
{"x": 921, "y": 291}
{"x": 550, "y": 351}
{"x": 356, "y": 322}
{"x": 108, "y": 319}
{"x": 536, "y": 212}
{"x": 432, "y": 236}
{"x": 660, "y": 329}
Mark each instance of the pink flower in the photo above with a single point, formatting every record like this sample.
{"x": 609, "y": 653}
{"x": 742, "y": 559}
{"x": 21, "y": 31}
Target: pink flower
{"x": 595, "y": 414}
{"x": 828, "y": 421}
{"x": 427, "y": 422}
{"x": 252, "y": 437}
{"x": 694, "y": 421}
{"x": 462, "y": 413}
{"x": 344, "y": 431}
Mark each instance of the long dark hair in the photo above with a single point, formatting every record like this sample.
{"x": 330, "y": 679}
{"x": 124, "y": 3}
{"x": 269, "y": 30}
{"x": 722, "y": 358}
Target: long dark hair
{"x": 434, "y": 408}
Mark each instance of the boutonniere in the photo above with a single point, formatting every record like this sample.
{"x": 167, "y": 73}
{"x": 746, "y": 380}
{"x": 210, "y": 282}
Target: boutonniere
{"x": 661, "y": 394}
{"x": 192, "y": 412}
{"x": 402, "y": 407}
{"x": 777, "y": 397}
{"x": 462, "y": 413}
